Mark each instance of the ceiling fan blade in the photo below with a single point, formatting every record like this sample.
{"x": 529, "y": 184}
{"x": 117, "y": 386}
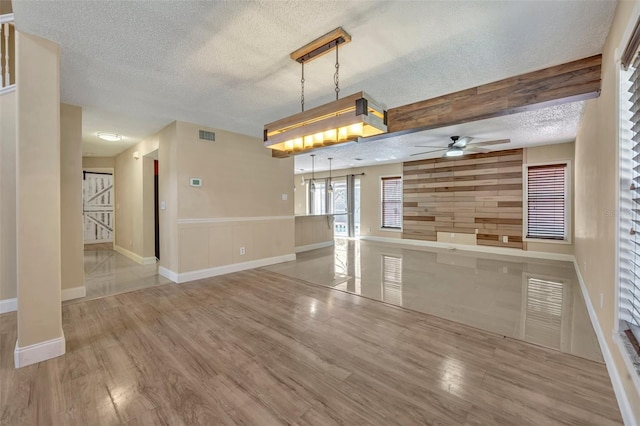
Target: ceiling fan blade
{"x": 496, "y": 142}
{"x": 427, "y": 152}
{"x": 471, "y": 148}
{"x": 429, "y": 146}
{"x": 462, "y": 142}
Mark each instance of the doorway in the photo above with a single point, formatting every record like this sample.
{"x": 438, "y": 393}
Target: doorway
{"x": 97, "y": 207}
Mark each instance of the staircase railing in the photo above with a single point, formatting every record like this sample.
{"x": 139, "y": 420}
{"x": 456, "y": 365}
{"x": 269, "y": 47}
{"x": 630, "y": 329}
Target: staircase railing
{"x": 7, "y": 51}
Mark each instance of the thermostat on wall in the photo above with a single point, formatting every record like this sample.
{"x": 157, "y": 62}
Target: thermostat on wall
{"x": 195, "y": 181}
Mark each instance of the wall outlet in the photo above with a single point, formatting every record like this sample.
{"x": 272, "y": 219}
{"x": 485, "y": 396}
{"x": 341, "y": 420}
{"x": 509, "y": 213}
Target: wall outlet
{"x": 242, "y": 251}
{"x": 505, "y": 238}
{"x": 453, "y": 235}
{"x": 284, "y": 197}
{"x": 369, "y": 230}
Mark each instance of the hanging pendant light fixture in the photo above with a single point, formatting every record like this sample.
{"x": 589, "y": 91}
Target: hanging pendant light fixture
{"x": 312, "y": 185}
{"x": 343, "y": 120}
{"x": 330, "y": 187}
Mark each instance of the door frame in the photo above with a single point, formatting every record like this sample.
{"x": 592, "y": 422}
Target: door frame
{"x": 113, "y": 174}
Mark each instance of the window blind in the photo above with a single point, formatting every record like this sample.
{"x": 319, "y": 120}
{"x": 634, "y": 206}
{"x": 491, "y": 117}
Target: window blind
{"x": 546, "y": 207}
{"x": 630, "y": 200}
{"x": 392, "y": 202}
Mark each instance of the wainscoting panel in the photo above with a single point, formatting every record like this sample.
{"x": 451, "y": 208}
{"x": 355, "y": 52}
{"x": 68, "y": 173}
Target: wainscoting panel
{"x": 478, "y": 194}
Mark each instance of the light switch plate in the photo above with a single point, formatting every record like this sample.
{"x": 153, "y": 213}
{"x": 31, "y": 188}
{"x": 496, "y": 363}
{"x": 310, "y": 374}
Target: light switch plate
{"x": 195, "y": 181}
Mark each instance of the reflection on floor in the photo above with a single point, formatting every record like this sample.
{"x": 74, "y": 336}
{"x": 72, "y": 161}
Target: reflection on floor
{"x": 107, "y": 272}
{"x": 535, "y": 300}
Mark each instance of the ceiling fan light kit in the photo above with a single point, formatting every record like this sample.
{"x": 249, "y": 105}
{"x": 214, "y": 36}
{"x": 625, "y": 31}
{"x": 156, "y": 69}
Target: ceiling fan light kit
{"x": 343, "y": 120}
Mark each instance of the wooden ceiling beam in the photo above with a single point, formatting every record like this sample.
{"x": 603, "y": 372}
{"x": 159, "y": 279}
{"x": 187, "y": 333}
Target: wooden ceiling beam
{"x": 570, "y": 82}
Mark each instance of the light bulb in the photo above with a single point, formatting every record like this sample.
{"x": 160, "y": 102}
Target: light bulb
{"x": 313, "y": 186}
{"x": 330, "y": 188}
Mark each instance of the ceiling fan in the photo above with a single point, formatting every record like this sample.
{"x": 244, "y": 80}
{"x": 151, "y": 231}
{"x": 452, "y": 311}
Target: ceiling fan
{"x": 460, "y": 146}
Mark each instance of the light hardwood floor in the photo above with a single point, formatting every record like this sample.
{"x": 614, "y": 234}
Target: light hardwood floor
{"x": 257, "y": 347}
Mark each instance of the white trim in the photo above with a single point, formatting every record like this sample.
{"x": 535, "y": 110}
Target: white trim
{"x": 465, "y": 247}
{"x": 98, "y": 241}
{"x": 73, "y": 293}
{"x": 38, "y": 352}
{"x": 635, "y": 15}
{"x": 8, "y": 89}
{"x": 7, "y": 18}
{"x": 567, "y": 202}
{"x": 168, "y": 273}
{"x": 233, "y": 219}
{"x": 617, "y": 338}
{"x": 135, "y": 257}
{"x": 8, "y": 305}
{"x": 616, "y": 382}
{"x": 227, "y": 269}
{"x": 315, "y": 246}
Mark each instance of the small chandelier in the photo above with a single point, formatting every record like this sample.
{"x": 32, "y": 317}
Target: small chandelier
{"x": 312, "y": 185}
{"x": 330, "y": 187}
{"x": 343, "y": 120}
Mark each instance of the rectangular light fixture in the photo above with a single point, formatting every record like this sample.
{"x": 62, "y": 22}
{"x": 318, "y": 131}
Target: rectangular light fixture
{"x": 344, "y": 120}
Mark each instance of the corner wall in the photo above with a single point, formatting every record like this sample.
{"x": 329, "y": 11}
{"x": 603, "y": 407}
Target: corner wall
{"x": 238, "y": 217}
{"x": 595, "y": 198}
{"x": 8, "y": 258}
{"x": 132, "y": 193}
{"x": 72, "y": 239}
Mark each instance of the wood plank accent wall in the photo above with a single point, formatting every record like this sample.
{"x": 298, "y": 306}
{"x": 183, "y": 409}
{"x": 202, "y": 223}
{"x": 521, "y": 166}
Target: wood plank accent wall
{"x": 479, "y": 191}
{"x": 570, "y": 82}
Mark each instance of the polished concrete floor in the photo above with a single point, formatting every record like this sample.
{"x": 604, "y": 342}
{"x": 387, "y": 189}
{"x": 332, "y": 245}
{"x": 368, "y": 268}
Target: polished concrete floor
{"x": 107, "y": 272}
{"x": 538, "y": 301}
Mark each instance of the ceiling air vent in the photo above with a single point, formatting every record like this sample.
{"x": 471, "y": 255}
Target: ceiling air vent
{"x": 207, "y": 136}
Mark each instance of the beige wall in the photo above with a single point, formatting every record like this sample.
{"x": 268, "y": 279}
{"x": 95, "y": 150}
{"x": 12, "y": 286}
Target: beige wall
{"x": 132, "y": 191}
{"x": 98, "y": 162}
{"x": 72, "y": 249}
{"x": 8, "y": 196}
{"x": 313, "y": 230}
{"x": 370, "y": 219}
{"x": 240, "y": 203}
{"x": 549, "y": 154}
{"x": 596, "y": 184}
{"x": 38, "y": 191}
{"x": 168, "y": 193}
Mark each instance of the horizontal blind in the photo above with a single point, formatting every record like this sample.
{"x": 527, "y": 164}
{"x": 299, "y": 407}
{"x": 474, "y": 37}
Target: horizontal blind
{"x": 546, "y": 207}
{"x": 392, "y": 279}
{"x": 392, "y": 202}
{"x": 630, "y": 202}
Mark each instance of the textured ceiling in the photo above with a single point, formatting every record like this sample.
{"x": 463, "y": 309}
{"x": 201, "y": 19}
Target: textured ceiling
{"x": 227, "y": 65}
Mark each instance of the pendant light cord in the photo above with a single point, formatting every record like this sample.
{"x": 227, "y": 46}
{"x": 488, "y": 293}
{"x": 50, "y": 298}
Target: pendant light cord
{"x": 336, "y": 76}
{"x": 302, "y": 85}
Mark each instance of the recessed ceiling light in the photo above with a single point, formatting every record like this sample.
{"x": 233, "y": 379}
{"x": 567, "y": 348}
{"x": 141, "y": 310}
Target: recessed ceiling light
{"x": 111, "y": 137}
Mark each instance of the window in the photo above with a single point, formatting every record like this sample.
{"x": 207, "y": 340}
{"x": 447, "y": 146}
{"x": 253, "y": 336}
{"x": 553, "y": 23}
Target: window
{"x": 391, "y": 202}
{"x": 629, "y": 300}
{"x": 546, "y": 206}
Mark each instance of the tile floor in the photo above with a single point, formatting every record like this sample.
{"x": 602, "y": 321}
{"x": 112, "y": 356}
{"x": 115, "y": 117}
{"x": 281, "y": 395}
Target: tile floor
{"x": 538, "y": 301}
{"x": 107, "y": 272}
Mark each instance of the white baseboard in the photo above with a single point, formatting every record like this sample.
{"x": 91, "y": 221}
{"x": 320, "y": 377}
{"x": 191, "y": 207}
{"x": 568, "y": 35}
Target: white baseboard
{"x": 221, "y": 270}
{"x": 168, "y": 273}
{"x": 73, "y": 293}
{"x": 315, "y": 246}
{"x": 618, "y": 388}
{"x": 481, "y": 249}
{"x": 38, "y": 352}
{"x": 135, "y": 257}
{"x": 8, "y": 305}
